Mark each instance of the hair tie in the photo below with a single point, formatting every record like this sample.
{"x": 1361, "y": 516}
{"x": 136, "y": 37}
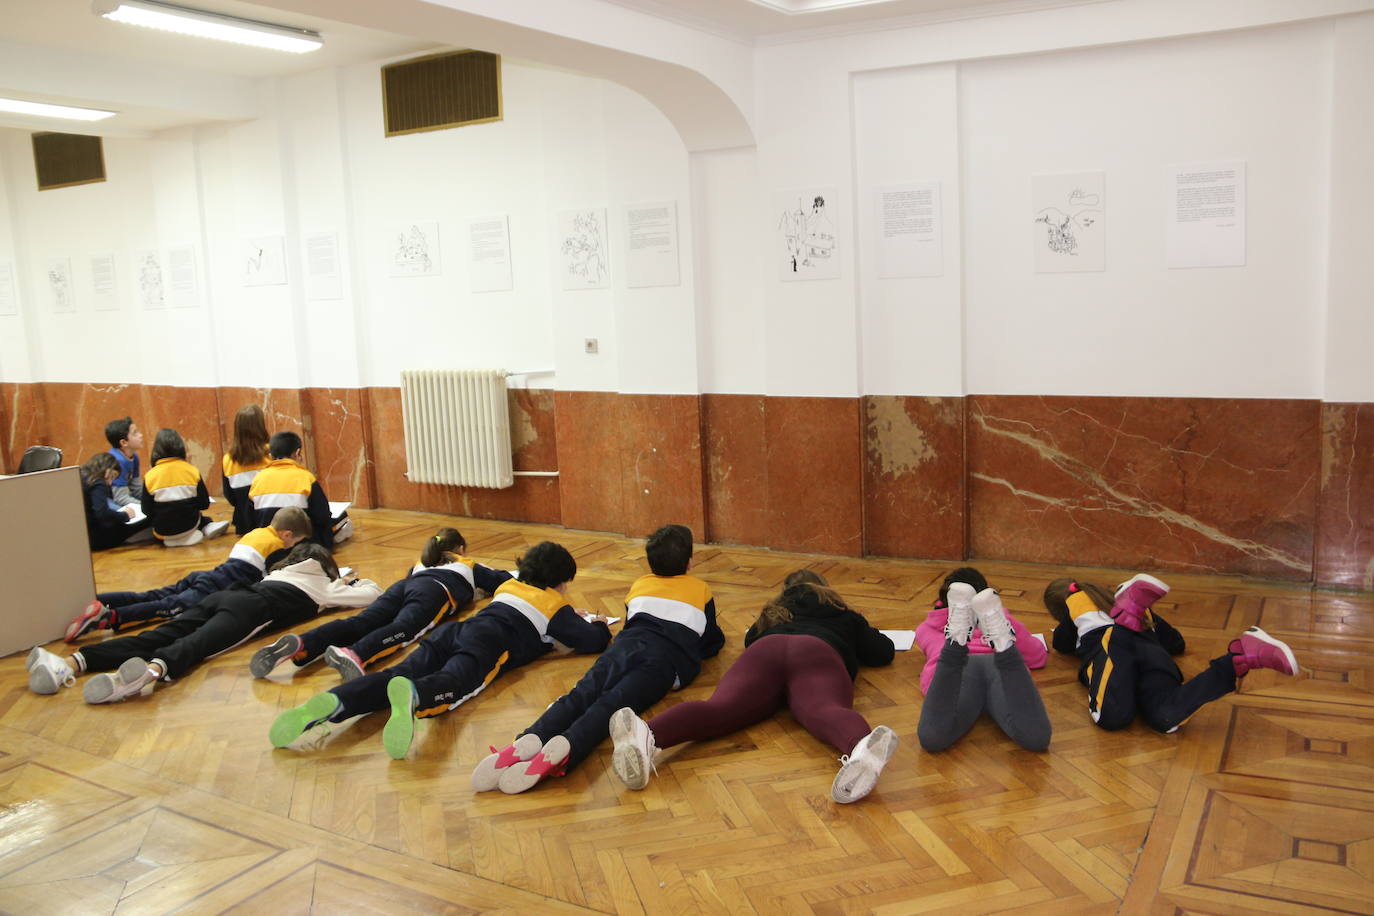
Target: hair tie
{"x": 437, "y": 538}
{"x": 1073, "y": 587}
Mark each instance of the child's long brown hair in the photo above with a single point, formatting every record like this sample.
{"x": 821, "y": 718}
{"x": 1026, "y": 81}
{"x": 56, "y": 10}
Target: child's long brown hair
{"x": 250, "y": 436}
{"x": 776, "y": 612}
{"x": 440, "y": 546}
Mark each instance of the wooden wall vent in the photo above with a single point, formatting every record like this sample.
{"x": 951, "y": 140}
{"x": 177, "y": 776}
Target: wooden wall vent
{"x": 441, "y": 90}
{"x": 63, "y": 160}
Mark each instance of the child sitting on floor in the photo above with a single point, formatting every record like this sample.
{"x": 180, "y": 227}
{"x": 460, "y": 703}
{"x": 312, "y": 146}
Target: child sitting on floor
{"x": 670, "y": 626}
{"x": 125, "y": 440}
{"x": 286, "y": 482}
{"x": 1125, "y": 648}
{"x": 246, "y": 456}
{"x": 174, "y": 495}
{"x": 443, "y": 582}
{"x": 247, "y": 563}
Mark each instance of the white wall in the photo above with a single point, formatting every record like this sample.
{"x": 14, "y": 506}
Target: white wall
{"x": 1349, "y": 330}
{"x": 1138, "y": 328}
{"x": 906, "y": 129}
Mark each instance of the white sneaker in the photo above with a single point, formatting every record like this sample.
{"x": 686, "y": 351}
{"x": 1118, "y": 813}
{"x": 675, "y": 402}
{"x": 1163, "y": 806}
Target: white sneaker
{"x": 633, "y": 757}
{"x": 187, "y": 539}
{"x": 343, "y": 531}
{"x": 859, "y": 770}
{"x": 48, "y": 671}
{"x": 959, "y": 627}
{"x": 992, "y": 620}
{"x": 214, "y": 530}
{"x": 128, "y": 681}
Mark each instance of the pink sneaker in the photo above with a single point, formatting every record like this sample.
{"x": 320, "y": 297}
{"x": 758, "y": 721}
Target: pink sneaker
{"x": 487, "y": 774}
{"x": 1133, "y": 599}
{"x": 344, "y": 661}
{"x": 1257, "y": 649}
{"x": 548, "y": 762}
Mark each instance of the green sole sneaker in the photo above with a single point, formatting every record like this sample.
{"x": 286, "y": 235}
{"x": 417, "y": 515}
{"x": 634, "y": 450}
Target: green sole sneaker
{"x": 298, "y": 720}
{"x": 400, "y": 728}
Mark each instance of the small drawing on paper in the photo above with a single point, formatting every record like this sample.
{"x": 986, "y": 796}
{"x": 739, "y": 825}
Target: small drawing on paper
{"x": 810, "y": 246}
{"x": 149, "y": 272}
{"x": 585, "y": 262}
{"x": 1067, "y": 221}
{"x": 60, "y": 282}
{"x": 264, "y": 261}
{"x": 415, "y": 250}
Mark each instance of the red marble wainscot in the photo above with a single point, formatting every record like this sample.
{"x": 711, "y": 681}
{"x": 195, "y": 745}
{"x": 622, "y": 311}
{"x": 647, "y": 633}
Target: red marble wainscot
{"x": 336, "y": 425}
{"x": 24, "y": 422}
{"x": 734, "y": 440}
{"x": 193, "y": 413}
{"x": 815, "y": 475}
{"x": 533, "y": 439}
{"x": 914, "y": 496}
{"x": 660, "y": 463}
{"x": 1345, "y": 507}
{"x": 590, "y": 483}
{"x": 76, "y": 414}
{"x": 1208, "y": 485}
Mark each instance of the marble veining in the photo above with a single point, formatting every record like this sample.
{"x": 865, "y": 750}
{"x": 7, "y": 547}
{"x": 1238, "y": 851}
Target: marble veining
{"x": 1107, "y": 495}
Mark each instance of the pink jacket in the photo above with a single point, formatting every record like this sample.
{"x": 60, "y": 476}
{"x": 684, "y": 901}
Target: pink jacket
{"x": 930, "y": 636}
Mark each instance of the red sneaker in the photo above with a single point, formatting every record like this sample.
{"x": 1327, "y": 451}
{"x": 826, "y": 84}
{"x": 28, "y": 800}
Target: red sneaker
{"x": 1257, "y": 649}
{"x": 1133, "y": 599}
{"x": 96, "y": 616}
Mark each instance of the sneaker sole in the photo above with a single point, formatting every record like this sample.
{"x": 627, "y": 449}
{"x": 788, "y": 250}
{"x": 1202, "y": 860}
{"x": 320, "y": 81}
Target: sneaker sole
{"x": 111, "y": 688}
{"x": 627, "y": 760}
{"x": 854, "y": 785}
{"x": 1279, "y": 644}
{"x": 399, "y": 732}
{"x": 34, "y": 655}
{"x": 517, "y": 779}
{"x": 295, "y": 722}
{"x": 347, "y": 668}
{"x": 42, "y": 680}
{"x": 79, "y": 627}
{"x": 487, "y": 776}
{"x": 1142, "y": 577}
{"x": 264, "y": 661}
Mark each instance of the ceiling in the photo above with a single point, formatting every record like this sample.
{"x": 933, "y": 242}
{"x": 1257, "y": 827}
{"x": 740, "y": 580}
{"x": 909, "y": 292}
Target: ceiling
{"x": 764, "y": 20}
{"x": 59, "y": 51}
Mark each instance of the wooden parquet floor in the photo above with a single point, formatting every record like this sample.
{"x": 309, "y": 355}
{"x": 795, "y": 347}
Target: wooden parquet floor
{"x": 174, "y": 801}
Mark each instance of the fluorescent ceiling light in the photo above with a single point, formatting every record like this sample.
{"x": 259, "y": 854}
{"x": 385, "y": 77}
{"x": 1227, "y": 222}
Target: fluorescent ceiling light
{"x": 204, "y": 24}
{"x": 44, "y": 110}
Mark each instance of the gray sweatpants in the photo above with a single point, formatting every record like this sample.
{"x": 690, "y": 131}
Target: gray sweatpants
{"x": 965, "y": 687}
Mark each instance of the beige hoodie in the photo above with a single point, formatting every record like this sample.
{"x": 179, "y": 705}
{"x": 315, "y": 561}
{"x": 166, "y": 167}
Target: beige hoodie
{"x": 310, "y": 577}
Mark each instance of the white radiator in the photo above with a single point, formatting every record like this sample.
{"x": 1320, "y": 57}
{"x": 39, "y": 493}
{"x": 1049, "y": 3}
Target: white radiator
{"x": 457, "y": 427}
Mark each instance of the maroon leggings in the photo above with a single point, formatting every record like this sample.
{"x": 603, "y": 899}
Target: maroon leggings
{"x": 802, "y": 673}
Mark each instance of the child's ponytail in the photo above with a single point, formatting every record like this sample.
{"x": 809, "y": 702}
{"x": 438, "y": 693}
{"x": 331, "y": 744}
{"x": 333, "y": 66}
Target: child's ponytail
{"x": 440, "y": 546}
